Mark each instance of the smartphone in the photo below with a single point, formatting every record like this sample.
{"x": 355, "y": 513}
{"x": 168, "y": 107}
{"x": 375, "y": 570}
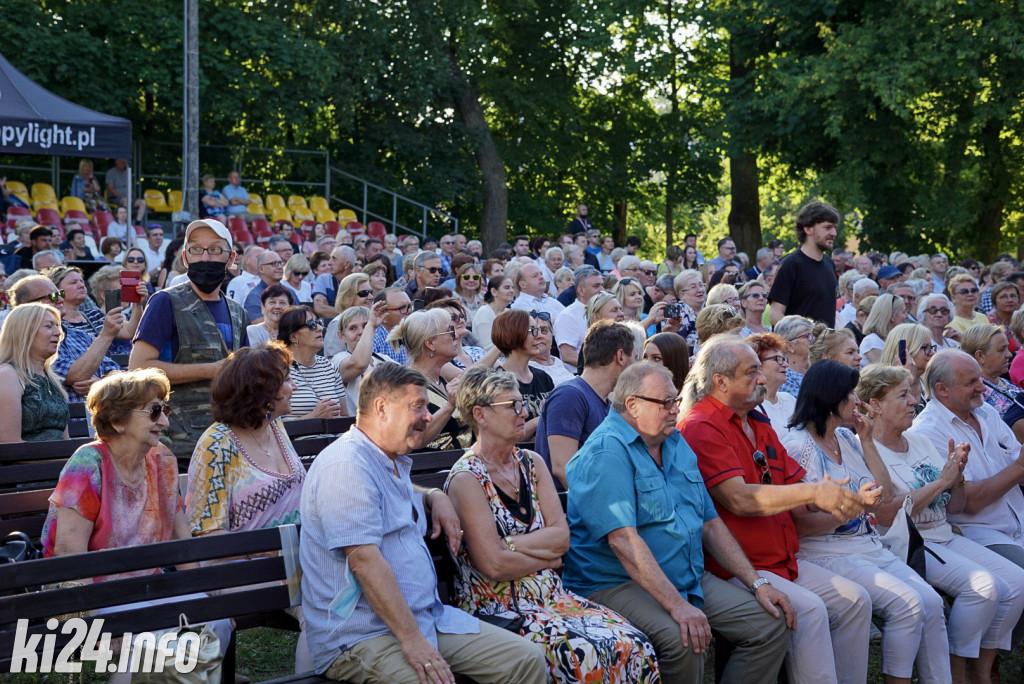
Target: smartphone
{"x": 901, "y": 351}
{"x": 112, "y": 299}
{"x": 673, "y": 310}
{"x": 130, "y": 281}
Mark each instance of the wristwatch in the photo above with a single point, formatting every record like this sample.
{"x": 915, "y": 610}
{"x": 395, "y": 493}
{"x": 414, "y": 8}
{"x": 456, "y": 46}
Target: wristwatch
{"x": 759, "y": 583}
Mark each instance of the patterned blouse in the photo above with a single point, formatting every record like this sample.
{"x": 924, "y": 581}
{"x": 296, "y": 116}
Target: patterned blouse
{"x": 228, "y": 491}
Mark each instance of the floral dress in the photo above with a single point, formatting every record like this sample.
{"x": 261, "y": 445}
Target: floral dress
{"x": 583, "y": 641}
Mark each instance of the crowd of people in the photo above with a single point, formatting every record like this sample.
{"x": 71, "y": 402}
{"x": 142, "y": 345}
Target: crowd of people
{"x": 718, "y": 443}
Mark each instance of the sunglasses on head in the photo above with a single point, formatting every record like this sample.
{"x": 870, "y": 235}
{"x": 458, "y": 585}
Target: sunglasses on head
{"x": 314, "y": 324}
{"x": 542, "y": 315}
{"x": 155, "y": 410}
{"x": 449, "y": 331}
{"x": 628, "y": 281}
{"x": 52, "y": 296}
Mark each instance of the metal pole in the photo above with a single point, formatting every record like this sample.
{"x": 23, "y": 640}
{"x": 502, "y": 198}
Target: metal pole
{"x": 394, "y": 214}
{"x": 131, "y": 212}
{"x": 366, "y": 190}
{"x": 424, "y": 222}
{"x": 190, "y": 181}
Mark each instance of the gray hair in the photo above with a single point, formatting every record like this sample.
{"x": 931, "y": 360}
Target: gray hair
{"x": 16, "y": 291}
{"x": 639, "y": 336}
{"x": 617, "y": 255}
{"x": 55, "y": 253}
{"x": 847, "y": 280}
{"x": 14, "y": 278}
{"x": 629, "y": 261}
{"x": 348, "y": 253}
{"x": 474, "y": 243}
{"x": 765, "y": 252}
{"x": 685, "y": 275}
{"x": 632, "y": 379}
{"x": 421, "y": 259}
{"x": 571, "y": 251}
{"x": 919, "y": 285}
{"x": 582, "y": 273}
{"x": 385, "y": 379}
{"x": 923, "y": 304}
{"x": 863, "y": 285}
{"x": 791, "y": 326}
{"x": 666, "y": 283}
{"x": 940, "y": 369}
{"x": 648, "y": 263}
{"x": 276, "y": 240}
{"x": 561, "y": 273}
{"x": 716, "y": 358}
{"x": 350, "y": 314}
{"x": 553, "y": 250}
{"x": 478, "y": 387}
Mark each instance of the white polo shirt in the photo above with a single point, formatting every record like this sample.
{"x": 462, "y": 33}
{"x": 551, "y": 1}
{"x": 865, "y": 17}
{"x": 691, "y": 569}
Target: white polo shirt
{"x": 545, "y": 303}
{"x": 571, "y": 328}
{"x": 1002, "y": 521}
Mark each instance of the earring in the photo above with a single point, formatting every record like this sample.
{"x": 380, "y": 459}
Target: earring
{"x": 431, "y": 354}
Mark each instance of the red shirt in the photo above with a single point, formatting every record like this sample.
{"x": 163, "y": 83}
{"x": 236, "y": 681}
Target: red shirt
{"x": 723, "y": 451}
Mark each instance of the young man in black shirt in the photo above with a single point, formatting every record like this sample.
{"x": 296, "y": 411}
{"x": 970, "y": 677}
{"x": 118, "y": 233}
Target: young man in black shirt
{"x": 806, "y": 282}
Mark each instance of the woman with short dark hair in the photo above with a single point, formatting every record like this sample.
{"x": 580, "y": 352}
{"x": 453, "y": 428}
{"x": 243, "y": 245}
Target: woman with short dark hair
{"x": 516, "y": 335}
{"x": 319, "y": 390}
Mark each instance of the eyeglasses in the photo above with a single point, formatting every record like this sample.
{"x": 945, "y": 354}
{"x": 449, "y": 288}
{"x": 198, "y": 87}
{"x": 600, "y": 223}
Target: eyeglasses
{"x": 404, "y": 309}
{"x": 762, "y": 463}
{"x": 780, "y": 359}
{"x": 968, "y": 290}
{"x": 471, "y": 276}
{"x": 135, "y": 260}
{"x": 364, "y": 293}
{"x": 446, "y": 243}
{"x": 303, "y": 274}
{"x": 932, "y": 310}
{"x": 755, "y": 295}
{"x": 535, "y": 330}
{"x": 273, "y": 263}
{"x": 648, "y": 272}
{"x": 458, "y": 318}
{"x": 517, "y": 405}
{"x": 314, "y": 325}
{"x": 809, "y": 336}
{"x": 433, "y": 269}
{"x": 449, "y": 331}
{"x": 197, "y": 251}
{"x": 666, "y": 404}
{"x": 52, "y": 296}
{"x": 735, "y": 301}
{"x": 155, "y": 410}
{"x": 542, "y": 315}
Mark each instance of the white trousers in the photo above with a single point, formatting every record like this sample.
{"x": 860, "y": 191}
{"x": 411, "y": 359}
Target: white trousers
{"x": 830, "y": 610}
{"x": 914, "y": 629}
{"x": 989, "y": 593}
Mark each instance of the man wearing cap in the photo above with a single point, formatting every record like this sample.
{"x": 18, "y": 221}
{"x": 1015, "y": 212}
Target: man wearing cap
{"x": 887, "y": 275}
{"x": 189, "y": 329}
{"x": 40, "y": 239}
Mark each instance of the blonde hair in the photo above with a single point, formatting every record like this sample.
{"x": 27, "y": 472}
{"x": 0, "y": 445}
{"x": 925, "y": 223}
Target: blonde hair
{"x": 414, "y": 330}
{"x": 717, "y": 319}
{"x": 104, "y": 276}
{"x": 877, "y": 380}
{"x": 978, "y": 337}
{"x": 478, "y": 387}
{"x": 597, "y": 303}
{"x": 880, "y": 318}
{"x": 957, "y": 278}
{"x": 686, "y": 274}
{"x": 20, "y": 326}
{"x": 721, "y": 292}
{"x": 1017, "y": 324}
{"x": 296, "y": 262}
{"x": 347, "y": 289}
{"x": 620, "y": 291}
{"x": 826, "y": 340}
{"x": 916, "y": 336}
{"x": 112, "y": 397}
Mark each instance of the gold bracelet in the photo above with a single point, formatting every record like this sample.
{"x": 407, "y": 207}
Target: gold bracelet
{"x": 509, "y": 543}
{"x": 426, "y": 496}
{"x": 961, "y": 483}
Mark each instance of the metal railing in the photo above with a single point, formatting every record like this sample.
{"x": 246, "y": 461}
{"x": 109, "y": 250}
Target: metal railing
{"x": 404, "y": 212}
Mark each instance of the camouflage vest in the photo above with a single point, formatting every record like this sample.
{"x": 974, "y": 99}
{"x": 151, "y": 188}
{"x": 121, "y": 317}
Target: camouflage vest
{"x": 199, "y": 341}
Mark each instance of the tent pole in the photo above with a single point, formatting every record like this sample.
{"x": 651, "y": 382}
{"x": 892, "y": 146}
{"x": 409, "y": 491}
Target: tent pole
{"x": 131, "y": 211}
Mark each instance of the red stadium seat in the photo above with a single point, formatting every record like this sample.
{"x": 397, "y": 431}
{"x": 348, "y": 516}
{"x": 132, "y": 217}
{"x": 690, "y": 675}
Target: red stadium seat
{"x": 261, "y": 230}
{"x": 101, "y": 219}
{"x": 355, "y": 228}
{"x": 48, "y": 217}
{"x": 140, "y": 231}
{"x": 243, "y": 236}
{"x": 236, "y": 223}
{"x": 18, "y": 212}
{"x": 332, "y": 227}
{"x": 376, "y": 229}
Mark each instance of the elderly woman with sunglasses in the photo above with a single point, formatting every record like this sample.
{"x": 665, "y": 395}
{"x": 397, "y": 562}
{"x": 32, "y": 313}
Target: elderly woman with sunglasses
{"x": 963, "y": 290}
{"x": 754, "y": 301}
{"x": 319, "y": 390}
{"x": 933, "y": 312}
{"x": 914, "y": 630}
{"x": 919, "y": 351}
{"x": 798, "y": 333}
{"x": 353, "y": 290}
{"x": 469, "y": 290}
{"x": 517, "y": 335}
{"x": 514, "y": 538}
{"x": 431, "y": 341}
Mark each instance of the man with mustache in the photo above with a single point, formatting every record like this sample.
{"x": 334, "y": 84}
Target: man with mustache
{"x": 758, "y": 493}
{"x": 369, "y": 587}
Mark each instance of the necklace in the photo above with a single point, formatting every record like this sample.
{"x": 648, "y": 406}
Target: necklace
{"x": 499, "y": 471}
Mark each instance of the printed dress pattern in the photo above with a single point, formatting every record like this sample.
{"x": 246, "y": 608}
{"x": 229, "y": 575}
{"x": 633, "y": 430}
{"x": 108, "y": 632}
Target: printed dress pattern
{"x": 583, "y": 641}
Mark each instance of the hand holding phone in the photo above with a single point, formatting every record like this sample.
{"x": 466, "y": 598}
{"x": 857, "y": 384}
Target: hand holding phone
{"x": 129, "y": 284}
{"x": 901, "y": 351}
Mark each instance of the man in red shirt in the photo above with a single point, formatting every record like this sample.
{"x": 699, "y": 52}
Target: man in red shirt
{"x": 758, "y": 493}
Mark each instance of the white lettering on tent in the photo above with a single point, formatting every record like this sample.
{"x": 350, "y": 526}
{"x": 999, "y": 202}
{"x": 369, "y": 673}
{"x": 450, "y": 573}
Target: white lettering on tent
{"x": 34, "y": 134}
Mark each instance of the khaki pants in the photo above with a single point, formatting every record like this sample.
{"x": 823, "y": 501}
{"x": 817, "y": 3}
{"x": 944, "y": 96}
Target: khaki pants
{"x": 760, "y": 639}
{"x": 494, "y": 655}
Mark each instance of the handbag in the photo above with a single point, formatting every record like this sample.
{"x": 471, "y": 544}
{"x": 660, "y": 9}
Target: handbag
{"x": 207, "y": 669}
{"x": 511, "y": 624}
{"x": 15, "y": 548}
{"x": 904, "y": 540}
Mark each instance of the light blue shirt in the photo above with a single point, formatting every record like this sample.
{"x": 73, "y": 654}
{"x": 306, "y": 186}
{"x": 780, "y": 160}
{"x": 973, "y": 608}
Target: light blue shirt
{"x": 231, "y": 192}
{"x": 614, "y": 483}
{"x": 353, "y": 497}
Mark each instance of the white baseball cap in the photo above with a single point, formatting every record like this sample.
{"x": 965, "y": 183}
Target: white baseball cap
{"x": 214, "y": 225}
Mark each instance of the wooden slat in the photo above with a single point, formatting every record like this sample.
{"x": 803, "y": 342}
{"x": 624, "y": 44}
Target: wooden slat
{"x": 23, "y": 473}
{"x": 39, "y": 451}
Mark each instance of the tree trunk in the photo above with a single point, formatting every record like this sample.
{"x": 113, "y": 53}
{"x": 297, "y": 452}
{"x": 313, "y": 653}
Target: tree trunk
{"x": 620, "y": 212}
{"x": 998, "y": 189}
{"x": 494, "y": 217}
{"x": 745, "y": 206}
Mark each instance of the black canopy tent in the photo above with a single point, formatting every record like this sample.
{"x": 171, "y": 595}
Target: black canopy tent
{"x": 35, "y": 121}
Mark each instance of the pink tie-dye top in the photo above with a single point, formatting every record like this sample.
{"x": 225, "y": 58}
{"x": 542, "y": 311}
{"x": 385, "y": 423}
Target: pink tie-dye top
{"x": 121, "y": 516}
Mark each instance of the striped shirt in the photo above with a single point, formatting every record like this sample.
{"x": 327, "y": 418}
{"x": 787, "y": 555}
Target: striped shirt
{"x": 313, "y": 385}
{"x": 353, "y": 497}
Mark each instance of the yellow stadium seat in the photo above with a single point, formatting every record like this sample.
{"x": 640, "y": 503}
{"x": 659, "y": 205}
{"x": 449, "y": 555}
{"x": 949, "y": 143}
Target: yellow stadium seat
{"x": 346, "y": 215}
{"x": 42, "y": 192}
{"x": 302, "y": 214}
{"x": 74, "y": 203}
{"x": 296, "y": 201}
{"x": 16, "y": 187}
{"x": 318, "y": 203}
{"x": 23, "y": 196}
{"x": 274, "y": 202}
{"x": 174, "y": 200}
{"x": 156, "y": 201}
{"x": 280, "y": 214}
{"x": 49, "y": 204}
{"x": 325, "y": 215}
{"x": 254, "y": 198}
{"x": 256, "y": 209}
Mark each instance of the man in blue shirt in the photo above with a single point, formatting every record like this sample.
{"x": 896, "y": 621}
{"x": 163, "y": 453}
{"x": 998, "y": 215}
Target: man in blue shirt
{"x": 270, "y": 268}
{"x": 640, "y": 519}
{"x": 237, "y": 197}
{"x": 369, "y": 587}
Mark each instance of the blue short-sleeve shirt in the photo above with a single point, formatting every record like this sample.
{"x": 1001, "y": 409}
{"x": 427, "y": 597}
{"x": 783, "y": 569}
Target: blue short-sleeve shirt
{"x": 614, "y": 483}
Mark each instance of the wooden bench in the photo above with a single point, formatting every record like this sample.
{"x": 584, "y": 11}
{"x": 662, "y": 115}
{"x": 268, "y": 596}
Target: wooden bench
{"x": 310, "y": 436}
{"x": 78, "y": 420}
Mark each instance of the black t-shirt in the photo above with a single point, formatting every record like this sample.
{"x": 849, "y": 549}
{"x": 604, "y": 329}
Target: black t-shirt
{"x": 806, "y": 287}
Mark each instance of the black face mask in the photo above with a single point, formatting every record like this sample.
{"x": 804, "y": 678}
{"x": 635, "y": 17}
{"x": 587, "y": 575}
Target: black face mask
{"x": 207, "y": 275}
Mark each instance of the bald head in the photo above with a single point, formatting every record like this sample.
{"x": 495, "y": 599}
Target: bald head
{"x": 34, "y": 288}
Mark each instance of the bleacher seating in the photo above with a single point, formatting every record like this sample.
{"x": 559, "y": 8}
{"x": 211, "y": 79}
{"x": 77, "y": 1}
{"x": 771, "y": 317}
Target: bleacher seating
{"x": 317, "y": 203}
{"x": 325, "y": 215}
{"x": 46, "y": 216}
{"x": 101, "y": 219}
{"x": 18, "y": 189}
{"x": 300, "y": 214}
{"x": 332, "y": 227}
{"x": 15, "y": 214}
{"x": 43, "y": 193}
{"x": 261, "y": 230}
{"x": 69, "y": 203}
{"x": 275, "y": 202}
{"x": 279, "y": 215}
{"x": 174, "y": 200}
{"x": 295, "y": 201}
{"x": 156, "y": 202}
{"x": 355, "y": 228}
{"x": 376, "y": 229}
